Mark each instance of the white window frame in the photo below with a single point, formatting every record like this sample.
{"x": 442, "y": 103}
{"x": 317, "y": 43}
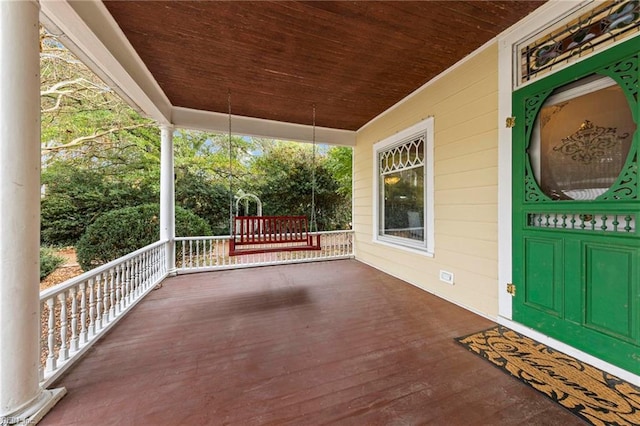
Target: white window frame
{"x": 426, "y": 247}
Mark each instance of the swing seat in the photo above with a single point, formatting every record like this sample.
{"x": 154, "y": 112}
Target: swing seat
{"x": 266, "y": 234}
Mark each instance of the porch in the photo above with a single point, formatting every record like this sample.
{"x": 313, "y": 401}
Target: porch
{"x": 324, "y": 342}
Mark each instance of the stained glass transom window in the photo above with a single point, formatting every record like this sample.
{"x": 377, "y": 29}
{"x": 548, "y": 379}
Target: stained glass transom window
{"x": 609, "y": 22}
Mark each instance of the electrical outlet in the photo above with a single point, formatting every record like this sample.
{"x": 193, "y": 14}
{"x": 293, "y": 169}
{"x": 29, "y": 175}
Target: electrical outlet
{"x": 446, "y": 276}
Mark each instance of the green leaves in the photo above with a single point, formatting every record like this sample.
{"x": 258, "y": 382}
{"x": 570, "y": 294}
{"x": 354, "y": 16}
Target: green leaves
{"x": 100, "y": 155}
{"x": 283, "y": 180}
{"x": 123, "y": 231}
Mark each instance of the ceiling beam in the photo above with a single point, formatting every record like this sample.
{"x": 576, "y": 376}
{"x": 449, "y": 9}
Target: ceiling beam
{"x": 217, "y": 122}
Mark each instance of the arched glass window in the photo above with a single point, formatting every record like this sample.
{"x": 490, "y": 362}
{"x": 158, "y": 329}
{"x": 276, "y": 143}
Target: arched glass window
{"x": 581, "y": 139}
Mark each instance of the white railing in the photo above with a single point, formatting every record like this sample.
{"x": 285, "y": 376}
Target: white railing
{"x": 77, "y": 312}
{"x": 199, "y": 254}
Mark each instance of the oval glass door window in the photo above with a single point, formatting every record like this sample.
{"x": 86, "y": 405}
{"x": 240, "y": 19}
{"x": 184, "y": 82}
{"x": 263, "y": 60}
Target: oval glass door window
{"x": 581, "y": 139}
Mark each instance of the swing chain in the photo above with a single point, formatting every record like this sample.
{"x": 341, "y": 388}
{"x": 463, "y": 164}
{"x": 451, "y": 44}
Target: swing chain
{"x": 313, "y": 225}
{"x": 230, "y": 167}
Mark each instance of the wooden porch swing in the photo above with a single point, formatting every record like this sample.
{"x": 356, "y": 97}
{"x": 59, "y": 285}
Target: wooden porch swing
{"x": 266, "y": 234}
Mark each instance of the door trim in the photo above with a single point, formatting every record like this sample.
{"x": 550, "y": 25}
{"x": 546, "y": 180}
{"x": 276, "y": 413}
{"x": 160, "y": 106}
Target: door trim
{"x": 539, "y": 19}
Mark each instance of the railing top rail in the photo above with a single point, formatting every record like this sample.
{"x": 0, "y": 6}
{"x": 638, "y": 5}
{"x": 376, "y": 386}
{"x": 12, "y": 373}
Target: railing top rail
{"x": 263, "y": 218}
{"x": 54, "y": 291}
{"x": 227, "y": 237}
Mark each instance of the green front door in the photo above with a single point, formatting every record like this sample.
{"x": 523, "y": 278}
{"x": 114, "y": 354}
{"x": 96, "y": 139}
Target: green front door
{"x": 576, "y": 209}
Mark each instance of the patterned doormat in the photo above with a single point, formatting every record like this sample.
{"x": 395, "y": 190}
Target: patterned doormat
{"x": 595, "y": 396}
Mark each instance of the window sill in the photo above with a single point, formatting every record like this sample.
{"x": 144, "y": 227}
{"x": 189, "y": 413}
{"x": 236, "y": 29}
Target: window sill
{"x": 415, "y": 250}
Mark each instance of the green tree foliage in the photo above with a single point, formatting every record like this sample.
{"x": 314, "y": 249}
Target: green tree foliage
{"x": 49, "y": 261}
{"x": 196, "y": 192}
{"x": 120, "y": 232}
{"x": 339, "y": 163}
{"x": 202, "y": 166}
{"x": 283, "y": 177}
{"x": 75, "y": 197}
{"x": 82, "y": 118}
{"x": 100, "y": 155}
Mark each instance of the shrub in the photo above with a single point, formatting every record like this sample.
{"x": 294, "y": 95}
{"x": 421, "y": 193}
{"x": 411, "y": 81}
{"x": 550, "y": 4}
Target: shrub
{"x": 196, "y": 192}
{"x": 74, "y": 198}
{"x": 120, "y": 232}
{"x": 49, "y": 261}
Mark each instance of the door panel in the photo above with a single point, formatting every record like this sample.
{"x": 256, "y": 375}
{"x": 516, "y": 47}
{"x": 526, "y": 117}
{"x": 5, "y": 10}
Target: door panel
{"x": 576, "y": 246}
{"x": 544, "y": 272}
{"x": 611, "y": 283}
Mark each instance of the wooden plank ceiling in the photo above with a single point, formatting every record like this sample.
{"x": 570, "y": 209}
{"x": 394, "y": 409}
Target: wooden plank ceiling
{"x": 353, "y": 60}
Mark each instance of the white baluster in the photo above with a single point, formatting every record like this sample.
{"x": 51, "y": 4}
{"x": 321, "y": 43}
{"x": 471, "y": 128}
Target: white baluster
{"x": 131, "y": 286}
{"x": 63, "y": 354}
{"x": 162, "y": 265}
{"x": 197, "y": 253}
{"x": 214, "y": 252}
{"x": 127, "y": 284}
{"x": 110, "y": 295}
{"x": 133, "y": 282}
{"x": 74, "y": 319}
{"x": 142, "y": 273}
{"x": 190, "y": 253}
{"x": 98, "y": 313}
{"x": 145, "y": 271}
{"x": 151, "y": 266}
{"x": 154, "y": 269}
{"x": 83, "y": 312}
{"x": 105, "y": 297}
{"x": 116, "y": 293}
{"x": 163, "y": 262}
{"x": 154, "y": 262}
{"x": 150, "y": 273}
{"x": 125, "y": 270}
{"x": 344, "y": 241}
{"x": 51, "y": 337}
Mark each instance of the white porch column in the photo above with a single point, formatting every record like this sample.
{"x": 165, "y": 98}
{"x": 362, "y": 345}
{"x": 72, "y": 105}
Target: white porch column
{"x": 21, "y": 398}
{"x": 167, "y": 195}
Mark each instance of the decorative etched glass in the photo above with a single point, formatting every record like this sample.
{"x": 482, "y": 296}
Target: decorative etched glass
{"x": 581, "y": 139}
{"x": 608, "y": 22}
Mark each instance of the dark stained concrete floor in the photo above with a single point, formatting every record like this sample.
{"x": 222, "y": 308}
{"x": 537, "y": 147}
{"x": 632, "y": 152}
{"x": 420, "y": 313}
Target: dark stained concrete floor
{"x": 319, "y": 343}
